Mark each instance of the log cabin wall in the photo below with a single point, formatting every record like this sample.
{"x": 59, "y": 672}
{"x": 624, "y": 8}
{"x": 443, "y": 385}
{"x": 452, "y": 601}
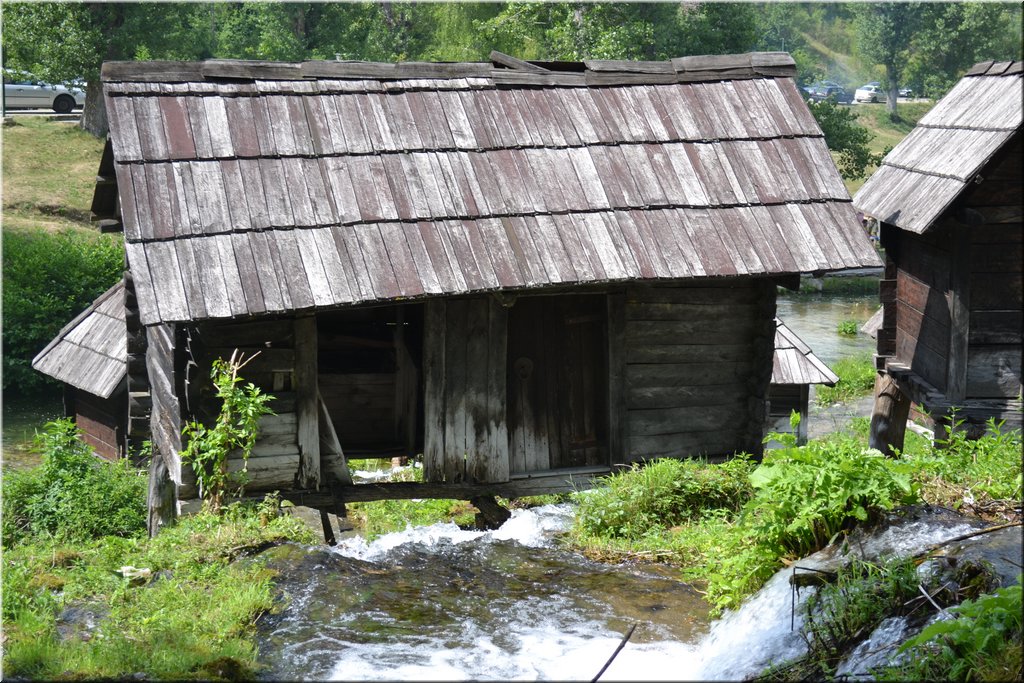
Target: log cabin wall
{"x": 102, "y": 421}
{"x": 921, "y": 266}
{"x": 995, "y": 280}
{"x": 369, "y": 377}
{"x": 698, "y": 361}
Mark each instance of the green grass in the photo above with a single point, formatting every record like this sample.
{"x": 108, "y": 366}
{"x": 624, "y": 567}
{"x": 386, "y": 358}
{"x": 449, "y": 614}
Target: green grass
{"x": 49, "y": 171}
{"x": 886, "y": 133}
{"x": 71, "y": 525}
{"x": 856, "y": 379}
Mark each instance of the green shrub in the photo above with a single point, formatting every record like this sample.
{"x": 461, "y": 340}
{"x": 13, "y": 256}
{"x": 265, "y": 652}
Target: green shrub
{"x": 73, "y": 494}
{"x": 848, "y": 328}
{"x": 661, "y": 495}
{"x": 806, "y": 495}
{"x": 48, "y": 278}
{"x": 856, "y": 379}
{"x": 981, "y": 643}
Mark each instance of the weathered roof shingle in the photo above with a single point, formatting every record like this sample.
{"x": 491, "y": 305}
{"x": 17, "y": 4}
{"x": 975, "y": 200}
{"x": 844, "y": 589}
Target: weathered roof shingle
{"x": 795, "y": 363}
{"x": 91, "y": 352}
{"x": 931, "y": 167}
{"x": 250, "y": 188}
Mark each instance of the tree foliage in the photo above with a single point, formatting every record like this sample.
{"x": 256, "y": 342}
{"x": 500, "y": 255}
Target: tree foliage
{"x": 49, "y": 278}
{"x": 846, "y": 138}
{"x": 884, "y": 31}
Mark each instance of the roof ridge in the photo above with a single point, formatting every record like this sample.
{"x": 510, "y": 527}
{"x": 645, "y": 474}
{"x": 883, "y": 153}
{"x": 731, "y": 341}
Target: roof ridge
{"x": 591, "y": 72}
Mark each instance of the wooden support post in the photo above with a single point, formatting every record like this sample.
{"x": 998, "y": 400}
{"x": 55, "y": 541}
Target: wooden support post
{"x": 889, "y": 415}
{"x": 160, "y": 498}
{"x": 325, "y": 521}
{"x": 306, "y": 403}
{"x": 491, "y": 515}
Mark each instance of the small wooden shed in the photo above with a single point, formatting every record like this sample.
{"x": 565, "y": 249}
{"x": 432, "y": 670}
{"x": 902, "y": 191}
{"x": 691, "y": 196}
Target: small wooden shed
{"x": 529, "y": 272}
{"x": 89, "y": 357}
{"x": 794, "y": 369}
{"x": 948, "y": 199}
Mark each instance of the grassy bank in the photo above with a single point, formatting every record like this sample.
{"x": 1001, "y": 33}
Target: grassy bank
{"x": 49, "y": 174}
{"x": 87, "y": 595}
{"x": 729, "y": 527}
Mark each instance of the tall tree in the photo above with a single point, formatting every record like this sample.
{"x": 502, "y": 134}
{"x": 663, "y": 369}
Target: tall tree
{"x": 954, "y": 36}
{"x": 64, "y": 41}
{"x": 884, "y": 31}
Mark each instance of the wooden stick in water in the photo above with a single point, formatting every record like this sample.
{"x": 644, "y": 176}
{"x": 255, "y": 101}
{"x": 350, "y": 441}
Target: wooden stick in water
{"x": 615, "y": 654}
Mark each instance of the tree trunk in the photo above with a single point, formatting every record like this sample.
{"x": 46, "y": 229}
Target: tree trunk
{"x": 891, "y": 90}
{"x": 94, "y": 114}
{"x": 889, "y": 416}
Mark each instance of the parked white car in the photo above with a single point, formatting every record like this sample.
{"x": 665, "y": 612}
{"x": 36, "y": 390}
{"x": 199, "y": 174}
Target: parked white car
{"x": 22, "y": 91}
{"x": 869, "y": 93}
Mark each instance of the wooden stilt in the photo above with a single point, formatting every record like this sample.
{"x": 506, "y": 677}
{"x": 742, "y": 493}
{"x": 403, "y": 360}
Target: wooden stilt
{"x": 160, "y": 497}
{"x": 491, "y": 515}
{"x": 889, "y": 416}
{"x": 325, "y": 520}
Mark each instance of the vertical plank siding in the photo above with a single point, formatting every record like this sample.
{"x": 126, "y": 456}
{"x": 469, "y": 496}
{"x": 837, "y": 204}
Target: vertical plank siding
{"x": 466, "y": 440}
{"x": 166, "y": 419}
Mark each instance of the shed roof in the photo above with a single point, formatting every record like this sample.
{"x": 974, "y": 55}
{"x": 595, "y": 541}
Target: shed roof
{"x": 91, "y": 352}
{"x": 249, "y": 188}
{"x": 795, "y": 363}
{"x": 932, "y": 166}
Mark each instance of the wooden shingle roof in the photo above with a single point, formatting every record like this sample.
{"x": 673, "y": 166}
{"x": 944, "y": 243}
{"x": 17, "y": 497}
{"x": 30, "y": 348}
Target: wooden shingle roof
{"x": 91, "y": 352}
{"x": 931, "y": 167}
{"x": 250, "y": 188}
{"x": 795, "y": 363}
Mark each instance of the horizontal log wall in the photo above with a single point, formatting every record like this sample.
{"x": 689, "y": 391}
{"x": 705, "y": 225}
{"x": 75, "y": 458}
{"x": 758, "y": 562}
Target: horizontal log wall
{"x": 695, "y": 377}
{"x": 102, "y": 422}
{"x": 274, "y": 462}
{"x": 996, "y": 255}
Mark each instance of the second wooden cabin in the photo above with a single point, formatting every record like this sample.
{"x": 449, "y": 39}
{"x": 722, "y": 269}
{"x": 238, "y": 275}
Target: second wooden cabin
{"x": 530, "y": 273}
{"x": 948, "y": 199}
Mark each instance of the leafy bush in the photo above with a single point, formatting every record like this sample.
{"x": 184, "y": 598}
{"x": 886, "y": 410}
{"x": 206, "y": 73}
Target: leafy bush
{"x": 847, "y": 328}
{"x": 856, "y": 379}
{"x": 846, "y": 138}
{"x": 73, "y": 494}
{"x": 48, "y": 278}
{"x": 982, "y": 642}
{"x": 661, "y": 495}
{"x": 805, "y": 496}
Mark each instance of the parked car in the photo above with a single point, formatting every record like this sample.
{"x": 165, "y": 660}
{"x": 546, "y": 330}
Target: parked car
{"x": 23, "y": 91}
{"x": 833, "y": 92}
{"x": 869, "y": 93}
{"x": 906, "y": 92}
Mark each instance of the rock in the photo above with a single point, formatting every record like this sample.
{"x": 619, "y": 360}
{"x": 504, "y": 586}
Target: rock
{"x": 78, "y": 622}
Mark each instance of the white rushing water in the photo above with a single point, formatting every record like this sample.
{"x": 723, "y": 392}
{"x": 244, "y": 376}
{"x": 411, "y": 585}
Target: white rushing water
{"x": 550, "y": 637}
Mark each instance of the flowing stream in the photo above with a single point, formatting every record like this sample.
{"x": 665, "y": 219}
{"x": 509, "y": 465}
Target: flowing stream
{"x": 440, "y": 603}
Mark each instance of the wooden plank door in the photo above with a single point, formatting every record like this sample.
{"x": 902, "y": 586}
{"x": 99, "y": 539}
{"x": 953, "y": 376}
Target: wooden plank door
{"x": 558, "y": 383}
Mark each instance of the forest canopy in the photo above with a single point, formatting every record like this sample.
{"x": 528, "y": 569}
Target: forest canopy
{"x": 926, "y": 46}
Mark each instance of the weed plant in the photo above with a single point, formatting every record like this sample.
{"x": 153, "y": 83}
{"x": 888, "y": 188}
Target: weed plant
{"x": 981, "y": 642}
{"x": 662, "y": 494}
{"x": 856, "y": 379}
{"x": 848, "y": 328}
{"x": 729, "y": 526}
{"x": 73, "y": 495}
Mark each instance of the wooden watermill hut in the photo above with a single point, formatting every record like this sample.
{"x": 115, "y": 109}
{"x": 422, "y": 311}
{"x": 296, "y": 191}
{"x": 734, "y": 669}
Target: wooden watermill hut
{"x": 948, "y": 199}
{"x": 89, "y": 357}
{"x": 528, "y": 272}
{"x": 794, "y": 369}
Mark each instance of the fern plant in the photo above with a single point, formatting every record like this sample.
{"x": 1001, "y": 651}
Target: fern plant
{"x": 236, "y": 428}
